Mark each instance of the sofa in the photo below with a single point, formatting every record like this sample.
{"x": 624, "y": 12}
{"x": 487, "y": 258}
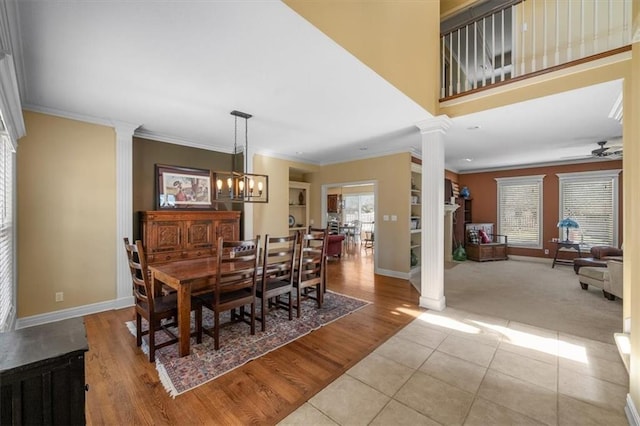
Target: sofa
{"x": 608, "y": 278}
{"x": 599, "y": 257}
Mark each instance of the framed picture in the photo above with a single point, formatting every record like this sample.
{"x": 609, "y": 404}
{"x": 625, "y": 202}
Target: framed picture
{"x": 182, "y": 187}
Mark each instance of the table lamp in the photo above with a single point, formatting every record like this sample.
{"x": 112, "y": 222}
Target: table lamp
{"x": 568, "y": 223}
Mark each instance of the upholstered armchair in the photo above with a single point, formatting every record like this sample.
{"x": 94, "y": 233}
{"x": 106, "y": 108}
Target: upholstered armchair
{"x": 599, "y": 257}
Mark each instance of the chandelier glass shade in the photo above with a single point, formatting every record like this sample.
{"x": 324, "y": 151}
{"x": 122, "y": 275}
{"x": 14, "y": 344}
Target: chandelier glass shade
{"x": 239, "y": 186}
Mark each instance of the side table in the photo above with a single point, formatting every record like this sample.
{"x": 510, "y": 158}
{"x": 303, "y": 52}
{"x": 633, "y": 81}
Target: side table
{"x": 564, "y": 244}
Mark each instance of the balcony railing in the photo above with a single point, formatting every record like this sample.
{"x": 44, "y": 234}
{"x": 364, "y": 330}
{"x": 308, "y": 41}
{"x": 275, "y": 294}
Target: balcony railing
{"x": 529, "y": 37}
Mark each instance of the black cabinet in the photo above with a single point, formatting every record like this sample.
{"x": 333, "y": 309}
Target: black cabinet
{"x": 42, "y": 374}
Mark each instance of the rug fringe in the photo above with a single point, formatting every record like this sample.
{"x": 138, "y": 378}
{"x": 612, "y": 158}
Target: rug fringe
{"x": 165, "y": 380}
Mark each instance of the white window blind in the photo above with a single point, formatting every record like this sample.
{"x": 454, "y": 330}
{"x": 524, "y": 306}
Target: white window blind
{"x": 6, "y": 232}
{"x": 591, "y": 199}
{"x": 520, "y": 210}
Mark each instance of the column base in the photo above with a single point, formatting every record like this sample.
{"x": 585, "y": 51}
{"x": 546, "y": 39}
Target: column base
{"x": 433, "y": 304}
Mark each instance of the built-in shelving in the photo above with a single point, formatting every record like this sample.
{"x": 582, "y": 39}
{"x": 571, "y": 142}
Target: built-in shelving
{"x": 298, "y": 205}
{"x": 415, "y": 222}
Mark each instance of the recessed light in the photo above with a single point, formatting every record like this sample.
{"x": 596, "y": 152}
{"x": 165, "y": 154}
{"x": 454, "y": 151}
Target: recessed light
{"x": 468, "y": 160}
{"x": 299, "y": 152}
{"x": 476, "y": 127}
{"x": 363, "y": 148}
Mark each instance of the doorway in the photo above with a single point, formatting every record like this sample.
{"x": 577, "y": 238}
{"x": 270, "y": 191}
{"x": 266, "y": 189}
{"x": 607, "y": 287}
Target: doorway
{"x": 347, "y": 203}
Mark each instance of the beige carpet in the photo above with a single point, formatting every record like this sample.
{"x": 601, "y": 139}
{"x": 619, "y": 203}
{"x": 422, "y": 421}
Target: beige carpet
{"x": 535, "y": 294}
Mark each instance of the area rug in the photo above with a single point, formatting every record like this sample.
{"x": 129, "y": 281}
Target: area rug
{"x": 237, "y": 345}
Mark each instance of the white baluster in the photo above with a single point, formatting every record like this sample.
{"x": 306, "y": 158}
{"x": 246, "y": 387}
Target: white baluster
{"x": 595, "y": 27}
{"x": 533, "y": 36}
{"x": 458, "y": 61}
{"x": 522, "y": 53}
{"x": 544, "y": 35}
{"x": 450, "y": 64}
{"x": 610, "y": 25}
{"x": 556, "y": 56}
{"x": 493, "y": 48}
{"x": 484, "y": 53}
{"x": 466, "y": 62}
{"x": 569, "y": 34}
{"x": 626, "y": 28}
{"x": 502, "y": 49}
{"x": 443, "y": 84}
{"x": 475, "y": 54}
{"x": 582, "y": 50}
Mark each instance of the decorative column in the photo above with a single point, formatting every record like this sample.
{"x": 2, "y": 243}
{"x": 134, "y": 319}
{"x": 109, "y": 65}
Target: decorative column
{"x": 124, "y": 210}
{"x": 432, "y": 270}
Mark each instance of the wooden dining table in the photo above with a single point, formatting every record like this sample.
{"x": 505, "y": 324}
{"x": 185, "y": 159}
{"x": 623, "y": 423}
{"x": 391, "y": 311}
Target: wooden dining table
{"x": 186, "y": 277}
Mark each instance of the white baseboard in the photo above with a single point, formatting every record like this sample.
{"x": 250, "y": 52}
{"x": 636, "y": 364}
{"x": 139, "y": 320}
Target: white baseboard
{"x": 393, "y": 274}
{"x": 632, "y": 413}
{"x": 74, "y": 312}
{"x": 531, "y": 259}
{"x": 433, "y": 304}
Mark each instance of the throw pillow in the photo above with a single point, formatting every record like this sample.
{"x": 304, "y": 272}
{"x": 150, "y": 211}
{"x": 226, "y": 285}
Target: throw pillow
{"x": 472, "y": 236}
{"x": 484, "y": 238}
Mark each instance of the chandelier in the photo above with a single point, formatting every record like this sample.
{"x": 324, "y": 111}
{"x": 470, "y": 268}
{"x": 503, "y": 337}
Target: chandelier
{"x": 238, "y": 186}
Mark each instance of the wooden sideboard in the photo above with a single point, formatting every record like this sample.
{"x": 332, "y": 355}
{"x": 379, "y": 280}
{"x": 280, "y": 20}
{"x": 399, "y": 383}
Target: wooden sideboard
{"x": 42, "y": 380}
{"x": 169, "y": 235}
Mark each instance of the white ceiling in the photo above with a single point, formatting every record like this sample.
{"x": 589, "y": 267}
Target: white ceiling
{"x": 177, "y": 68}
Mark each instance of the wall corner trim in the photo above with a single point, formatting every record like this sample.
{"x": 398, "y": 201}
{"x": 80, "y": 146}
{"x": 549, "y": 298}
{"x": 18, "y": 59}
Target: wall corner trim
{"x": 631, "y": 412}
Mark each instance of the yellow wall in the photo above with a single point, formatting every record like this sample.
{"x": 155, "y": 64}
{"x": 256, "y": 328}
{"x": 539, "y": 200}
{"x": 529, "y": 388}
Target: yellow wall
{"x": 632, "y": 182}
{"x": 66, "y": 214}
{"x": 393, "y": 176}
{"x": 272, "y": 218}
{"x": 451, "y": 7}
{"x": 397, "y": 39}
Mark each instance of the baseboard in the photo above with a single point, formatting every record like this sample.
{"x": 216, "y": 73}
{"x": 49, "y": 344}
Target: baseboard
{"x": 393, "y": 274}
{"x": 632, "y": 413}
{"x": 433, "y": 304}
{"x": 530, "y": 259}
{"x": 79, "y": 311}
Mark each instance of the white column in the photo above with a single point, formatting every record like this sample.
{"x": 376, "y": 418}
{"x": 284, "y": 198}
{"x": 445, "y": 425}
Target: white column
{"x": 124, "y": 209}
{"x": 432, "y": 269}
{"x": 248, "y": 207}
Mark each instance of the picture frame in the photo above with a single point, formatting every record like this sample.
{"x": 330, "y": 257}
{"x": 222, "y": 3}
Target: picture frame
{"x": 183, "y": 187}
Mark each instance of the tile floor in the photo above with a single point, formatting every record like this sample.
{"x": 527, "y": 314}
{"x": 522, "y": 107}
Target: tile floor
{"x": 455, "y": 368}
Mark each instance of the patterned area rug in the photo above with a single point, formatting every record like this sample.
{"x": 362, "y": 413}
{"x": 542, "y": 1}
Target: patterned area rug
{"x": 237, "y": 345}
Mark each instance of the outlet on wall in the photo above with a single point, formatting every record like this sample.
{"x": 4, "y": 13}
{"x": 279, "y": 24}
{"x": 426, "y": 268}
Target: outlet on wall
{"x": 59, "y": 296}
{"x": 546, "y": 251}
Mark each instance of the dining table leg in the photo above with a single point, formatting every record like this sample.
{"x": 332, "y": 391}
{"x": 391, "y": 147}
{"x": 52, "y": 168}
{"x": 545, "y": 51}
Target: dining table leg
{"x": 184, "y": 319}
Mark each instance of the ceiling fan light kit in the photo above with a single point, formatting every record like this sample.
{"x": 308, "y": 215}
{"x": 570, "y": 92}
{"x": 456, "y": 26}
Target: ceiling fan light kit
{"x": 606, "y": 151}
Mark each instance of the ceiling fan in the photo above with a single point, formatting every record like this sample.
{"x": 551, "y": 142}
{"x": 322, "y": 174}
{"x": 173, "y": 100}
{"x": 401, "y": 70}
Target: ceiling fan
{"x": 613, "y": 151}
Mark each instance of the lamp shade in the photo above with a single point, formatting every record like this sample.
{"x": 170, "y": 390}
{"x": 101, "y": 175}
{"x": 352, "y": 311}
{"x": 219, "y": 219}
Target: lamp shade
{"x": 568, "y": 223}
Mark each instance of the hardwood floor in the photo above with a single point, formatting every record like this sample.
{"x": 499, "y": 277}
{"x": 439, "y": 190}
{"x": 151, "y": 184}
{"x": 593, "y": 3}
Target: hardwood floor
{"x": 124, "y": 387}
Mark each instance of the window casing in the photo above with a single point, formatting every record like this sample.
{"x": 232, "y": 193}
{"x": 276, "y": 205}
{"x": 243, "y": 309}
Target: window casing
{"x": 591, "y": 199}
{"x": 520, "y": 210}
{"x": 358, "y": 207}
{"x": 7, "y": 285}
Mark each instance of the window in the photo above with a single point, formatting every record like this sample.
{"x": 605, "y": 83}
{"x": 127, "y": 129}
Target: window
{"x": 358, "y": 207}
{"x": 591, "y": 199}
{"x": 520, "y": 210}
{"x": 6, "y": 232}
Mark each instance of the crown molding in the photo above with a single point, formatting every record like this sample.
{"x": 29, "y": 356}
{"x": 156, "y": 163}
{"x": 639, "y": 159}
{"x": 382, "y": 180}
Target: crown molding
{"x": 617, "y": 109}
{"x": 441, "y": 123}
{"x": 72, "y": 115}
{"x": 154, "y": 136}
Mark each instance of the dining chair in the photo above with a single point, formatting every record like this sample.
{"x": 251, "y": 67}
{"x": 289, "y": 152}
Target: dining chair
{"x": 154, "y": 309}
{"x": 277, "y": 275}
{"x": 310, "y": 267}
{"x": 234, "y": 285}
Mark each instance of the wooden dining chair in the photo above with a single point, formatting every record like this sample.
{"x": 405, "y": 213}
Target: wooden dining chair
{"x": 310, "y": 269}
{"x": 155, "y": 309}
{"x": 234, "y": 285}
{"x": 277, "y": 275}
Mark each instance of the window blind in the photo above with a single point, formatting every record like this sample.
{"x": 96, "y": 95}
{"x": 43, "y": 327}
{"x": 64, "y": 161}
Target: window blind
{"x": 519, "y": 210}
{"x": 6, "y": 232}
{"x": 591, "y": 199}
